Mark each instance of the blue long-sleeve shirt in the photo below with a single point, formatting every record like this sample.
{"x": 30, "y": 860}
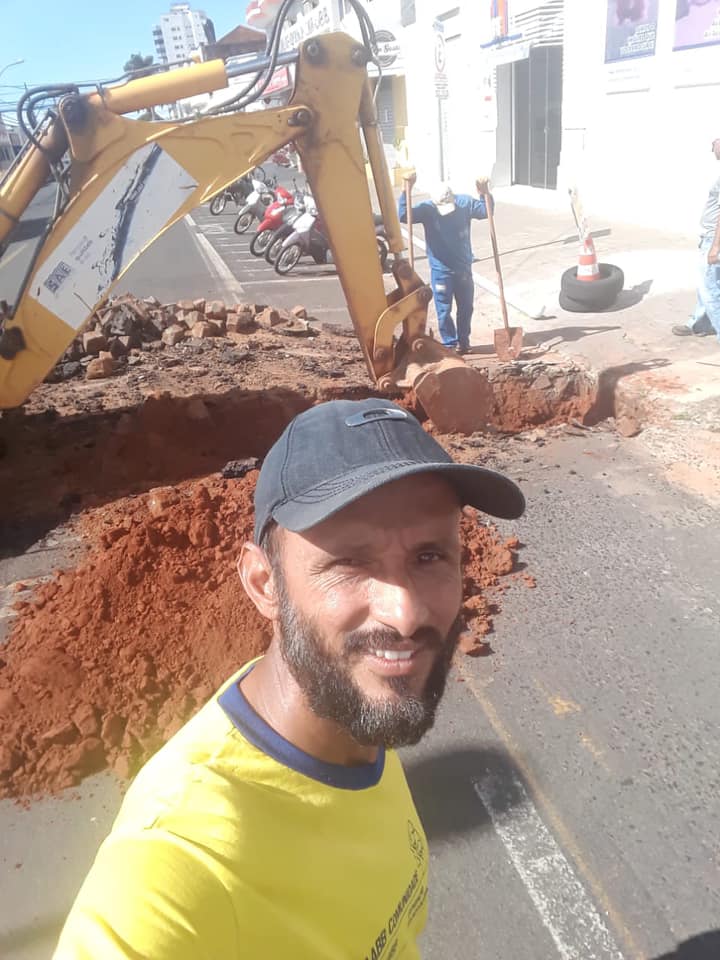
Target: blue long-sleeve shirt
{"x": 447, "y": 238}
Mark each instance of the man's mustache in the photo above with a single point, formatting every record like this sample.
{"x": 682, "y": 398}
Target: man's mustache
{"x": 363, "y": 641}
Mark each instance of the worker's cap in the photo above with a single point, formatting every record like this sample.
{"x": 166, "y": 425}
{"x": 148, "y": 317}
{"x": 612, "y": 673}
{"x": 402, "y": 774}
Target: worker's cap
{"x": 444, "y": 199}
{"x": 336, "y": 452}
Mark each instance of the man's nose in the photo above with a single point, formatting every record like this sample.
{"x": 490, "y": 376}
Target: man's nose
{"x": 399, "y": 605}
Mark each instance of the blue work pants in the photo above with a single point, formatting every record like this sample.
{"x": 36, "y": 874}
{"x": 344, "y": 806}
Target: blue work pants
{"x": 446, "y": 286}
{"x": 708, "y": 294}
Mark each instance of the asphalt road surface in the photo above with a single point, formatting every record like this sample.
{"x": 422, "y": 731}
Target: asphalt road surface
{"x": 570, "y": 788}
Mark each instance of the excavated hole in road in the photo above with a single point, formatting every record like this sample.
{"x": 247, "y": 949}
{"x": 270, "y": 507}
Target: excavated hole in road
{"x": 108, "y": 659}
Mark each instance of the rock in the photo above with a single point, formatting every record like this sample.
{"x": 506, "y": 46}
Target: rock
{"x": 189, "y": 317}
{"x": 88, "y": 756}
{"x": 74, "y": 351}
{"x": 268, "y": 318}
{"x": 258, "y": 307}
{"x": 64, "y": 733}
{"x": 234, "y": 355}
{"x": 93, "y": 342}
{"x": 240, "y": 321}
{"x": 199, "y": 304}
{"x": 112, "y": 730}
{"x": 119, "y": 321}
{"x": 99, "y": 369}
{"x": 173, "y": 335}
{"x": 627, "y": 426}
{"x": 123, "y": 767}
{"x": 299, "y": 312}
{"x": 66, "y": 371}
{"x": 151, "y": 301}
{"x": 186, "y": 305}
{"x": 156, "y": 323}
{"x": 235, "y": 469}
{"x": 203, "y": 330}
{"x": 297, "y": 328}
{"x": 156, "y": 345}
{"x": 86, "y": 720}
{"x": 134, "y": 360}
{"x": 473, "y": 646}
{"x": 215, "y": 310}
{"x": 119, "y": 347}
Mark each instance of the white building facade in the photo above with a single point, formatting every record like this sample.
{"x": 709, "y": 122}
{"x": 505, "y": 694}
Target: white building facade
{"x": 617, "y": 98}
{"x": 180, "y": 33}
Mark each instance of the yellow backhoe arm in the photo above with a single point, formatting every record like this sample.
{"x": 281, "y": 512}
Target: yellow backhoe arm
{"x": 130, "y": 180}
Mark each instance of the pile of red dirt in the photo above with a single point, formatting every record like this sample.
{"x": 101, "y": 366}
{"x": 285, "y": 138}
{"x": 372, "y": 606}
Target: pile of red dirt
{"x": 109, "y": 659}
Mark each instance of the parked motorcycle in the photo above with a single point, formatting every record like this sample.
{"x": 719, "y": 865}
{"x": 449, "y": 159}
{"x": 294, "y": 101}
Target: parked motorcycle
{"x": 290, "y": 216}
{"x": 307, "y": 238}
{"x": 273, "y": 219}
{"x": 236, "y": 193}
{"x": 255, "y": 205}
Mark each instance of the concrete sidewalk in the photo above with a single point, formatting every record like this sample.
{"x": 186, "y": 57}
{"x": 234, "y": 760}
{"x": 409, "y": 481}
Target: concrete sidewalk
{"x": 651, "y": 373}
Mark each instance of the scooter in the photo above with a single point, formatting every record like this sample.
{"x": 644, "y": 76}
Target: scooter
{"x": 290, "y": 216}
{"x": 272, "y": 220}
{"x": 307, "y": 237}
{"x": 255, "y": 205}
{"x": 236, "y": 192}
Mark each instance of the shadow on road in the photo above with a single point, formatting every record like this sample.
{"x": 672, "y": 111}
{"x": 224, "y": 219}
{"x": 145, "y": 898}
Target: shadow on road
{"x": 28, "y": 229}
{"x": 705, "y": 946}
{"x": 443, "y": 791}
{"x": 629, "y": 298}
{"x": 565, "y": 334}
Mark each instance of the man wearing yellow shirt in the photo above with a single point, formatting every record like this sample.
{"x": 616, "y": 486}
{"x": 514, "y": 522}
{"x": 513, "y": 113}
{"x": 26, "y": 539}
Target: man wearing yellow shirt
{"x": 278, "y": 823}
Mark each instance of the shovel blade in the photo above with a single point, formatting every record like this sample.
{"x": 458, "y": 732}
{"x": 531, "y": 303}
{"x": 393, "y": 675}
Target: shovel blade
{"x": 508, "y": 343}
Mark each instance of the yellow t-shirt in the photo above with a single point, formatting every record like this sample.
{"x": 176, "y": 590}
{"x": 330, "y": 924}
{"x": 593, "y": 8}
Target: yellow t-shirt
{"x": 232, "y": 843}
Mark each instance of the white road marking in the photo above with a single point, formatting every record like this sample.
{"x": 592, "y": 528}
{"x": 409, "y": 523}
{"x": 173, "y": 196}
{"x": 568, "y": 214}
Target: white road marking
{"x": 212, "y": 228}
{"x": 574, "y": 923}
{"x": 277, "y": 278}
{"x": 217, "y": 266}
{"x": 489, "y": 286}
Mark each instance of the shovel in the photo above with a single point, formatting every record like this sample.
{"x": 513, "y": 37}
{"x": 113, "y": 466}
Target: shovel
{"x": 508, "y": 341}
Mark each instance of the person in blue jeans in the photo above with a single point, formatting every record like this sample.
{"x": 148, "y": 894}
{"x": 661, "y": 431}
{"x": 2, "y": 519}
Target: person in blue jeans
{"x": 705, "y": 318}
{"x": 446, "y": 220}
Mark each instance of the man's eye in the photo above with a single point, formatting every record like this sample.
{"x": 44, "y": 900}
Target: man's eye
{"x": 430, "y": 556}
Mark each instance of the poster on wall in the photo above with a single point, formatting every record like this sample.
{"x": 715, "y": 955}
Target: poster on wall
{"x": 631, "y": 29}
{"x": 697, "y": 23}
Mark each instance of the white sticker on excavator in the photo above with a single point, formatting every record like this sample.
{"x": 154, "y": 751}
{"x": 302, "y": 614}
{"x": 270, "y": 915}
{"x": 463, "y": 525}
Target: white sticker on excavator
{"x": 131, "y": 210}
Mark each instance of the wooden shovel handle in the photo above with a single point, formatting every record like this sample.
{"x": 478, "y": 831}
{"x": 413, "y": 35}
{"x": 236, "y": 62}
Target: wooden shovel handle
{"x": 496, "y": 257}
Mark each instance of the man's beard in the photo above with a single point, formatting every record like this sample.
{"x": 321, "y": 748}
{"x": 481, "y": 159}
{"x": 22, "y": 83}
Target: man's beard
{"x": 326, "y": 680}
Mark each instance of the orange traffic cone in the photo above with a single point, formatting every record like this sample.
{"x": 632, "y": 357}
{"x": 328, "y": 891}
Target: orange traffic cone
{"x": 588, "y": 269}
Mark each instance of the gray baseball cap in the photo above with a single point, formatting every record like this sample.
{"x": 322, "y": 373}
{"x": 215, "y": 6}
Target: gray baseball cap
{"x": 336, "y": 452}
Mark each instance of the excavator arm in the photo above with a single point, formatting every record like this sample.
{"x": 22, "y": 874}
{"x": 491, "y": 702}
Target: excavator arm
{"x": 129, "y": 180}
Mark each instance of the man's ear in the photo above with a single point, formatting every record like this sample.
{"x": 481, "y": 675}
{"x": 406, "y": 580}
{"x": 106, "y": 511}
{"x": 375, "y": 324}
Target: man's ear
{"x": 256, "y": 576}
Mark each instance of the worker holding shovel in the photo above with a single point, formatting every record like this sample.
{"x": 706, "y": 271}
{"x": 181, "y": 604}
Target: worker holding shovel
{"x": 446, "y": 220}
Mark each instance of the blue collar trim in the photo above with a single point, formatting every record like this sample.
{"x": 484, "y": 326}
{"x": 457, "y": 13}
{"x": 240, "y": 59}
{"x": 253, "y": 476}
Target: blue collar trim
{"x": 261, "y": 735}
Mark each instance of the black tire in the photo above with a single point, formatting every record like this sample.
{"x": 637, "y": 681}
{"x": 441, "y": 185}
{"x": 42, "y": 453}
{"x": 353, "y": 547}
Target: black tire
{"x": 242, "y": 224}
{"x": 572, "y": 306}
{"x": 595, "y": 294}
{"x": 288, "y": 259}
{"x": 217, "y": 204}
{"x": 260, "y": 242}
{"x": 273, "y": 249}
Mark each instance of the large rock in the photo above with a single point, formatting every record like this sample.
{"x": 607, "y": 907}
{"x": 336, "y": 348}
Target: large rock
{"x": 269, "y": 318}
{"x": 241, "y": 321}
{"x": 215, "y": 310}
{"x": 120, "y": 321}
{"x": 119, "y": 347}
{"x": 190, "y": 317}
{"x": 186, "y": 305}
{"x": 93, "y": 342}
{"x": 174, "y": 334}
{"x": 204, "y": 329}
{"x": 100, "y": 368}
{"x": 299, "y": 312}
{"x": 199, "y": 304}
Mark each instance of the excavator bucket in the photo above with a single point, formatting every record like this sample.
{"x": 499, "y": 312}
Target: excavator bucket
{"x": 456, "y": 396}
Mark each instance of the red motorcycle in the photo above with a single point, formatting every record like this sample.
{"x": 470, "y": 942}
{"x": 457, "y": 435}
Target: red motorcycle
{"x": 272, "y": 220}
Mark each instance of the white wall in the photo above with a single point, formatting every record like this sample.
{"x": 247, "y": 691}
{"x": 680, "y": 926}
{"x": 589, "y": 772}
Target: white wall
{"x": 638, "y": 155}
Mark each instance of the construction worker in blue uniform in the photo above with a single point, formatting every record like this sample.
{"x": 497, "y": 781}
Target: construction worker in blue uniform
{"x": 446, "y": 219}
